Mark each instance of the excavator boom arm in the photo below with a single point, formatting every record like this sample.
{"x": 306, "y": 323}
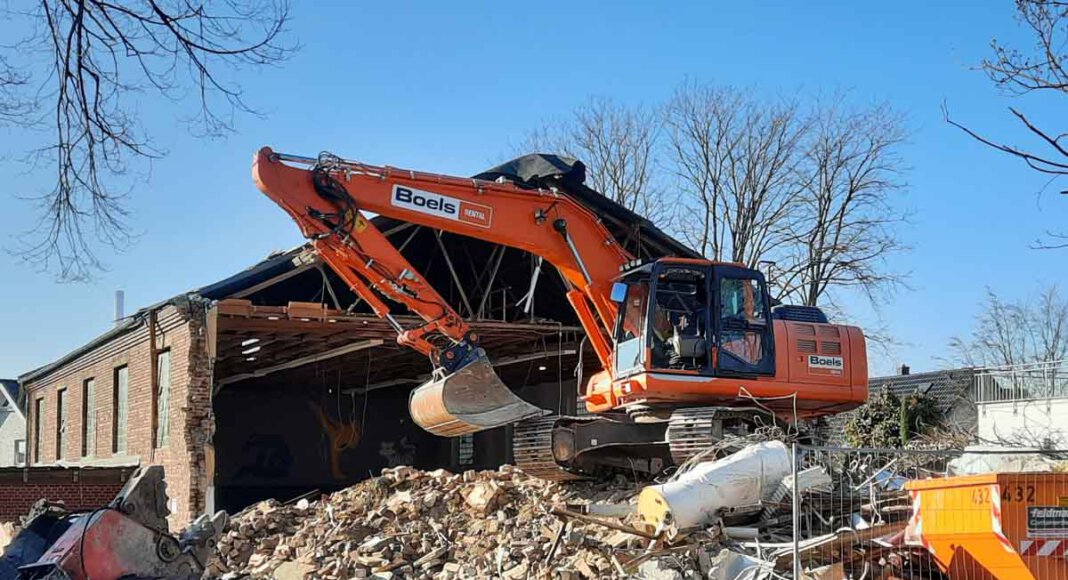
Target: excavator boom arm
{"x": 327, "y": 195}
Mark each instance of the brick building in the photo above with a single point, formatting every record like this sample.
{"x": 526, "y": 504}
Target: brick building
{"x": 278, "y": 380}
{"x": 138, "y": 394}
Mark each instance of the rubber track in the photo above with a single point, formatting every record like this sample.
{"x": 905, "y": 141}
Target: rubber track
{"x": 532, "y": 442}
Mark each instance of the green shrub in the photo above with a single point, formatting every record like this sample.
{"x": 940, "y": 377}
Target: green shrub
{"x": 889, "y": 421}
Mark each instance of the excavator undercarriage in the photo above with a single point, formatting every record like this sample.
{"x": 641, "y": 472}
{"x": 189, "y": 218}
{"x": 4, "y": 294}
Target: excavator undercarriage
{"x": 586, "y": 447}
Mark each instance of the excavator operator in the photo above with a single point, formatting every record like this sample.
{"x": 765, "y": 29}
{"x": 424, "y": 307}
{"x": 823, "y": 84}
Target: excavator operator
{"x": 678, "y": 329}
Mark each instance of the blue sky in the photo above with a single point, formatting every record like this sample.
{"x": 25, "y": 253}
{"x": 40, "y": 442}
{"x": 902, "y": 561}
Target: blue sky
{"x": 449, "y": 87}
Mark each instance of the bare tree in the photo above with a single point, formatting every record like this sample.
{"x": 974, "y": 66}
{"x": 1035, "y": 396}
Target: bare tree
{"x": 102, "y": 55}
{"x": 736, "y": 160}
{"x": 845, "y": 217}
{"x": 1044, "y": 68}
{"x": 12, "y": 107}
{"x": 618, "y": 145}
{"x": 812, "y": 191}
{"x": 1013, "y": 333}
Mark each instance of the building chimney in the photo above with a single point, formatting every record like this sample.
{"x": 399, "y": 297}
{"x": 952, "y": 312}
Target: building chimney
{"x": 904, "y": 370}
{"x": 120, "y": 306}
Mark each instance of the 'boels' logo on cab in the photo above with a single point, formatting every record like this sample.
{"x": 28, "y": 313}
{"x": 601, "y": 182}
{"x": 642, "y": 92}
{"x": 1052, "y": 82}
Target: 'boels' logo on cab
{"x": 816, "y": 361}
{"x": 442, "y": 206}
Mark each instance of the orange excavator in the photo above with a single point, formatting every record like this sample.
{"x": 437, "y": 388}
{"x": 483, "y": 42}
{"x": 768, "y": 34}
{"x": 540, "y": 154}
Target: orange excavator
{"x": 690, "y": 348}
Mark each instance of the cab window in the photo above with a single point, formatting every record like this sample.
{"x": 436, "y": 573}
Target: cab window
{"x": 679, "y": 323}
{"x": 629, "y": 335}
{"x": 743, "y": 319}
{"x": 742, "y": 299}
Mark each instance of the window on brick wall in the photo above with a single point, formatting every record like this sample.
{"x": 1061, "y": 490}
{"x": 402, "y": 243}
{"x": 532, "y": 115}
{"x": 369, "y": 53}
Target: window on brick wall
{"x": 163, "y": 402}
{"x": 20, "y": 452}
{"x": 120, "y": 409}
{"x": 61, "y": 422}
{"x": 38, "y": 418}
{"x": 88, "y": 418}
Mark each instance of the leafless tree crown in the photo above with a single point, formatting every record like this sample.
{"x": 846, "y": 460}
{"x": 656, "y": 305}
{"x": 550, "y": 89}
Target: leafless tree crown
{"x": 845, "y": 225}
{"x": 811, "y": 190}
{"x": 100, "y": 58}
{"x": 750, "y": 180}
{"x": 1011, "y": 333}
{"x": 736, "y": 160}
{"x": 1042, "y": 68}
{"x": 618, "y": 145}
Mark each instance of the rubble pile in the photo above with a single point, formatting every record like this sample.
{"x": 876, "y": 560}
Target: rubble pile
{"x": 8, "y": 531}
{"x": 414, "y": 524}
{"x": 411, "y": 524}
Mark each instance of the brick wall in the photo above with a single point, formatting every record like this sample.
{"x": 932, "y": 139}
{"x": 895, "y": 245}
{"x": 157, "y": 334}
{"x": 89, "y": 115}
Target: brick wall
{"x": 179, "y": 328}
{"x": 78, "y": 489}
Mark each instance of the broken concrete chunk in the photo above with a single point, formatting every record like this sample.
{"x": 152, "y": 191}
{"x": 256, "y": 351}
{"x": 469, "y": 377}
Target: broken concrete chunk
{"x": 399, "y": 500}
{"x": 483, "y": 496}
{"x": 518, "y": 572}
{"x": 293, "y": 571}
{"x": 659, "y": 569}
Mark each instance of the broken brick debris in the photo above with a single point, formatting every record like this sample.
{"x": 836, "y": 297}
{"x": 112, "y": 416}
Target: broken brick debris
{"x": 409, "y": 523}
{"x": 413, "y": 524}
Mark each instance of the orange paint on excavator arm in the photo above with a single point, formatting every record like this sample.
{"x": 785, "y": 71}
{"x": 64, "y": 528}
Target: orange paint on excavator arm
{"x": 500, "y": 213}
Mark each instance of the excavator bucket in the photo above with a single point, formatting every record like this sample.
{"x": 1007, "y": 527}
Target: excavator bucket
{"x": 469, "y": 400}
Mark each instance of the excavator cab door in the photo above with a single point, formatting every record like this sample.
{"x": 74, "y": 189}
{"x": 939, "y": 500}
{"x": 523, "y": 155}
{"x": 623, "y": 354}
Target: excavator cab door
{"x": 741, "y": 320}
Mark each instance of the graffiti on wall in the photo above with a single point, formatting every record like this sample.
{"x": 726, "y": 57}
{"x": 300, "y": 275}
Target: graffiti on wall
{"x": 341, "y": 436}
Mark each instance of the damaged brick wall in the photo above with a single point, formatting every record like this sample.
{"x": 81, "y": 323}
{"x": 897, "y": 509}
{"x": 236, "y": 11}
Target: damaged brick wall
{"x": 196, "y": 426}
{"x": 78, "y": 489}
{"x": 180, "y": 328}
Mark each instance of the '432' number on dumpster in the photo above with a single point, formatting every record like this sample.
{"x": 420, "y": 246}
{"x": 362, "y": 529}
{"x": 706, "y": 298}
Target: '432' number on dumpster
{"x": 1019, "y": 493}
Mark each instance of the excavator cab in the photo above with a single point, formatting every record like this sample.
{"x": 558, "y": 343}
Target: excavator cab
{"x": 693, "y": 317}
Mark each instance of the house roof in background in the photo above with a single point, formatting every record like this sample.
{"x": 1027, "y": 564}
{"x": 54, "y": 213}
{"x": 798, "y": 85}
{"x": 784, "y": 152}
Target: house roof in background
{"x": 946, "y": 388}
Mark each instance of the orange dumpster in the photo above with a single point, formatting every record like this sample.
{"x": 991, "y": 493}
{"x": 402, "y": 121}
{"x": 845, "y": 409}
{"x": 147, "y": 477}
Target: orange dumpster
{"x": 994, "y": 525}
